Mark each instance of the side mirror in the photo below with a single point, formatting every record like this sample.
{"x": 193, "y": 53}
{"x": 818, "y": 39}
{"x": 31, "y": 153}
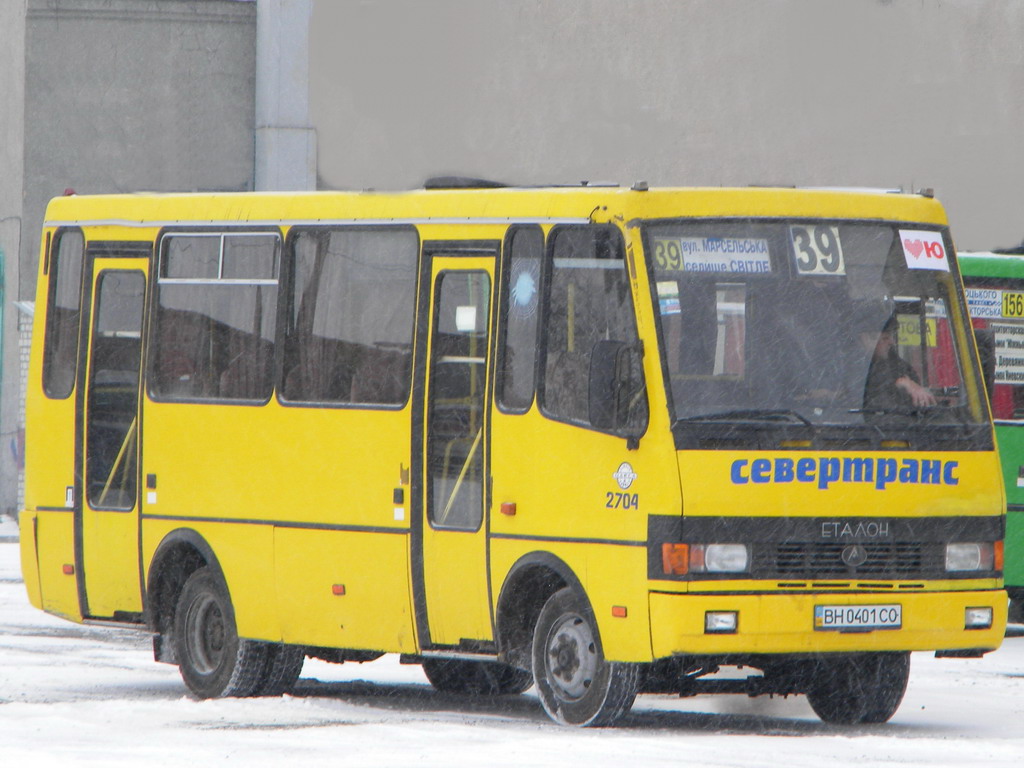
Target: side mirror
{"x": 616, "y": 399}
{"x": 986, "y": 341}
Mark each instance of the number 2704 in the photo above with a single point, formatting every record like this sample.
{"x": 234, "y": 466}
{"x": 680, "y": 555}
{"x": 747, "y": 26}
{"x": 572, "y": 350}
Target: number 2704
{"x": 622, "y": 500}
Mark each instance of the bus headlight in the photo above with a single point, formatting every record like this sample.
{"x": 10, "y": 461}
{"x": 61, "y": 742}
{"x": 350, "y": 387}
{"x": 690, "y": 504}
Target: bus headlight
{"x": 724, "y": 558}
{"x": 969, "y": 557}
{"x": 680, "y": 559}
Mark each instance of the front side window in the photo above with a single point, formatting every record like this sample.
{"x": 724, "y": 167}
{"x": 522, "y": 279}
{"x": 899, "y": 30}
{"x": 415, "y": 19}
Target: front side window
{"x": 64, "y": 311}
{"x": 520, "y": 306}
{"x": 353, "y": 299}
{"x": 810, "y": 323}
{"x": 589, "y": 311}
{"x": 213, "y": 332}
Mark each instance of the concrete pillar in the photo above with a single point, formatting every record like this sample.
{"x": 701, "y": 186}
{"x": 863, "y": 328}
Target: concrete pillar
{"x": 285, "y": 140}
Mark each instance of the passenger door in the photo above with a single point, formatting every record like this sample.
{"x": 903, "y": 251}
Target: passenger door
{"x": 107, "y": 436}
{"x": 453, "y": 599}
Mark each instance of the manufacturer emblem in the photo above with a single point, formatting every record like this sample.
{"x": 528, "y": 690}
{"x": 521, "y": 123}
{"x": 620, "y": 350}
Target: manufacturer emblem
{"x": 854, "y": 555}
{"x": 624, "y": 475}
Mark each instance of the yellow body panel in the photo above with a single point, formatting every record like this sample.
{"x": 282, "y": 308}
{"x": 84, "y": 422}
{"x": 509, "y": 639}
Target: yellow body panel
{"x": 344, "y": 589}
{"x": 243, "y": 553}
{"x": 55, "y": 537}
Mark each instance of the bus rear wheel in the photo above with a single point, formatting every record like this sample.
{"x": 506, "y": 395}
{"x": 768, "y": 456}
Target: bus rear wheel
{"x": 213, "y": 660}
{"x": 866, "y": 688}
{"x": 476, "y": 678}
{"x": 577, "y": 686}
{"x": 284, "y": 663}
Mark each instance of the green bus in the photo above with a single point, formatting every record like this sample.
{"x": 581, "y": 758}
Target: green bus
{"x": 994, "y": 284}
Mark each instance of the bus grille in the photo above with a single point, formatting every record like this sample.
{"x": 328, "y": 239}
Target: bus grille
{"x": 815, "y": 560}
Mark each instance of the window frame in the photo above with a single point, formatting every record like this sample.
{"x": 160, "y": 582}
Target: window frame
{"x": 158, "y": 279}
{"x": 286, "y": 313}
{"x": 504, "y": 296}
{"x": 53, "y": 263}
{"x": 547, "y": 269}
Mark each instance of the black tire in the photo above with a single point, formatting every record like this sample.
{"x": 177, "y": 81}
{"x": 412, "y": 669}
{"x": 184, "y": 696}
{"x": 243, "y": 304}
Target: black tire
{"x": 213, "y": 660}
{"x": 866, "y": 688}
{"x": 283, "y": 665}
{"x": 476, "y": 678}
{"x": 577, "y": 686}
{"x": 1015, "y": 612}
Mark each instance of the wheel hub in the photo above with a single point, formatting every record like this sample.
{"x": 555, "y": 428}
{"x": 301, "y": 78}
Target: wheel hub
{"x": 571, "y": 658}
{"x": 205, "y": 634}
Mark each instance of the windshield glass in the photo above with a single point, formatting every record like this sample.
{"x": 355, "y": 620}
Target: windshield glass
{"x": 811, "y": 322}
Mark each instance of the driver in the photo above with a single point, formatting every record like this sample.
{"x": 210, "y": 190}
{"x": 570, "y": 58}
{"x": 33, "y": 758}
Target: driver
{"x": 891, "y": 380}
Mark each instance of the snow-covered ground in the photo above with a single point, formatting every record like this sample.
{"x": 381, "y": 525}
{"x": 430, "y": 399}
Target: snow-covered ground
{"x": 74, "y": 695}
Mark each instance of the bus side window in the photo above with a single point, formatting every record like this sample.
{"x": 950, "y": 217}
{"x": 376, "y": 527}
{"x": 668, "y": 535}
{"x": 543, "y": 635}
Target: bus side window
{"x": 64, "y": 310}
{"x": 588, "y": 301}
{"x": 350, "y": 326}
{"x": 517, "y": 349}
{"x": 213, "y": 334}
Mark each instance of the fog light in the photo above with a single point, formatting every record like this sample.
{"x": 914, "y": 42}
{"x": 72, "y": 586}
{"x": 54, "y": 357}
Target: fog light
{"x": 977, "y": 618}
{"x": 969, "y": 557}
{"x": 720, "y": 622}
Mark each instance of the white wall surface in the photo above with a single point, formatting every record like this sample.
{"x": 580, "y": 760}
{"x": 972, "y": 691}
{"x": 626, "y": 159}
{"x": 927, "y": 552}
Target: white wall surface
{"x": 887, "y": 93}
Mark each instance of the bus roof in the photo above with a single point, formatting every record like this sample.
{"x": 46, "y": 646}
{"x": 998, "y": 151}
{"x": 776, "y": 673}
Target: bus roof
{"x": 989, "y": 264}
{"x": 490, "y": 205}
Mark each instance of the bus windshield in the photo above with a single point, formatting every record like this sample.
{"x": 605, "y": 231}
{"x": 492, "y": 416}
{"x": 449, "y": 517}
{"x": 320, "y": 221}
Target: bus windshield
{"x": 996, "y": 306}
{"x": 811, "y": 322}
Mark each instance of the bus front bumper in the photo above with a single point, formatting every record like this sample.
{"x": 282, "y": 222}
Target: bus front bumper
{"x": 786, "y": 623}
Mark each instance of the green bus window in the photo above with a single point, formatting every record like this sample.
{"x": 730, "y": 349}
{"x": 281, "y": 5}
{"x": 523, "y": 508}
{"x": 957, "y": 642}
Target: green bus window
{"x": 350, "y": 325}
{"x": 213, "y": 335}
{"x": 64, "y": 311}
{"x": 997, "y": 309}
{"x": 520, "y": 300}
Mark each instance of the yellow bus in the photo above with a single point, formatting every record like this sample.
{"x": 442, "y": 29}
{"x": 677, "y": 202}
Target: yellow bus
{"x": 602, "y": 440}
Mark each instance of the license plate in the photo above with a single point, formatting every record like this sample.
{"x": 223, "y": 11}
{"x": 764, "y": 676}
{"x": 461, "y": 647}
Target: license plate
{"x": 857, "y": 617}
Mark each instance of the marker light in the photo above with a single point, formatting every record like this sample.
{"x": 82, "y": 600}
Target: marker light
{"x": 720, "y": 622}
{"x": 977, "y": 618}
{"x": 969, "y": 557}
{"x": 675, "y": 558}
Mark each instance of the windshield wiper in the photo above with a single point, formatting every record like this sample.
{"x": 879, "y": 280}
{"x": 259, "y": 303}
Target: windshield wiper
{"x": 899, "y": 410}
{"x": 754, "y": 414}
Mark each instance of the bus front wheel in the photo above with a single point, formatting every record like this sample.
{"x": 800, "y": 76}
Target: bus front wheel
{"x": 213, "y": 660}
{"x": 866, "y": 688}
{"x": 577, "y": 686}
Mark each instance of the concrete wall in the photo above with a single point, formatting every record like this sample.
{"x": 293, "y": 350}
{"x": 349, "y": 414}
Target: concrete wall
{"x": 126, "y": 95}
{"x": 12, "y": 99}
{"x": 890, "y": 93}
